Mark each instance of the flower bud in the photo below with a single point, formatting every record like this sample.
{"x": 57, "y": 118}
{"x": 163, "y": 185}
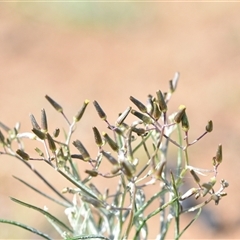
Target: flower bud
{"x": 44, "y": 121}
{"x": 23, "y": 154}
{"x": 185, "y": 123}
{"x": 143, "y": 117}
{"x": 2, "y": 138}
{"x": 219, "y": 154}
{"x": 171, "y": 86}
{"x": 123, "y": 116}
{"x": 127, "y": 169}
{"x": 175, "y": 80}
{"x": 156, "y": 111}
{"x": 179, "y": 114}
{"x": 51, "y": 143}
{"x": 39, "y": 133}
{"x": 54, "y": 104}
{"x": 4, "y": 127}
{"x": 97, "y": 137}
{"x": 34, "y": 122}
{"x": 161, "y": 101}
{"x": 139, "y": 105}
{"x": 195, "y": 176}
{"x": 111, "y": 143}
{"x": 81, "y": 112}
{"x": 77, "y": 156}
{"x": 150, "y": 104}
{"x": 100, "y": 112}
{"x": 56, "y": 132}
{"x": 82, "y": 150}
{"x": 92, "y": 173}
{"x": 139, "y": 131}
{"x": 41, "y": 154}
{"x": 224, "y": 183}
{"x": 209, "y": 126}
{"x": 110, "y": 158}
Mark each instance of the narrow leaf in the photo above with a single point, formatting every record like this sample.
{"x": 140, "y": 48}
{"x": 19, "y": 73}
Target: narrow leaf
{"x": 28, "y": 228}
{"x": 45, "y": 213}
{"x": 42, "y": 193}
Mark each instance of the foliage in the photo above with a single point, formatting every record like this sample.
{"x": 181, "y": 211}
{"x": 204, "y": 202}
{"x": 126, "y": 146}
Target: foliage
{"x": 105, "y": 215}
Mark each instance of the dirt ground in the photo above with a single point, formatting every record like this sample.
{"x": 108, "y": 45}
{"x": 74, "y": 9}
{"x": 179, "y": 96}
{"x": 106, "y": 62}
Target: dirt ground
{"x": 107, "y": 52}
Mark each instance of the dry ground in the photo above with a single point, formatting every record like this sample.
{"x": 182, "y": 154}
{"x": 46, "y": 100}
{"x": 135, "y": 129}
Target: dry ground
{"x": 109, "y": 52}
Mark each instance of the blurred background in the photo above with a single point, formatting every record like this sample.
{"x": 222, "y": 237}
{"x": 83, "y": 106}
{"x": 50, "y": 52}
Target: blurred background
{"x": 107, "y": 52}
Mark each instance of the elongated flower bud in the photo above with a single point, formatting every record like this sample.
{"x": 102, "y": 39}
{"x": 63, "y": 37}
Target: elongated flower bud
{"x": 39, "y": 133}
{"x": 22, "y": 154}
{"x": 2, "y": 138}
{"x": 100, "y": 112}
{"x": 81, "y": 112}
{"x": 123, "y": 116}
{"x": 171, "y": 86}
{"x": 54, "y": 104}
{"x": 77, "y": 156}
{"x": 111, "y": 143}
{"x": 82, "y": 150}
{"x": 41, "y": 154}
{"x": 161, "y": 101}
{"x": 51, "y": 143}
{"x": 175, "y": 80}
{"x": 185, "y": 123}
{"x": 219, "y": 154}
{"x": 156, "y": 111}
{"x": 141, "y": 116}
{"x": 139, "y": 105}
{"x": 56, "y": 132}
{"x": 97, "y": 137}
{"x": 44, "y": 121}
{"x": 150, "y": 104}
{"x": 4, "y": 127}
{"x": 209, "y": 126}
{"x": 34, "y": 122}
{"x": 195, "y": 176}
{"x": 127, "y": 169}
{"x": 139, "y": 131}
{"x": 179, "y": 115}
{"x": 110, "y": 158}
{"x": 92, "y": 173}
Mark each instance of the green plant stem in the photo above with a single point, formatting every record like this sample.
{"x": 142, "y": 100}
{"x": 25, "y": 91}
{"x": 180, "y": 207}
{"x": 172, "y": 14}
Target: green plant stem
{"x": 180, "y": 156}
{"x": 130, "y": 223}
{"x": 191, "y": 222}
{"x": 120, "y": 220}
{"x": 186, "y": 157}
{"x": 153, "y": 214}
{"x": 177, "y": 208}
